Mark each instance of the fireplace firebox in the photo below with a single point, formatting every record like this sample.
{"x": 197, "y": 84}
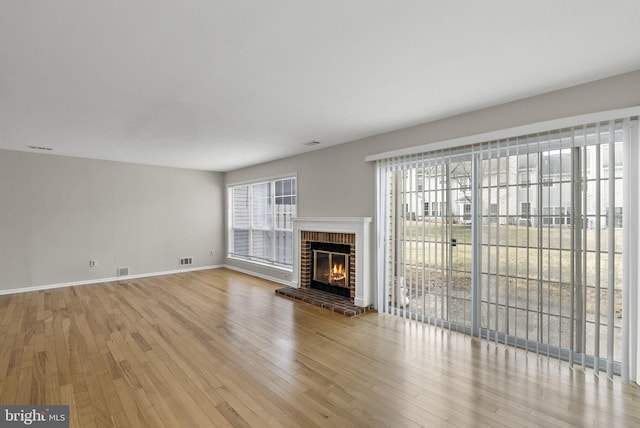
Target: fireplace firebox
{"x": 330, "y": 267}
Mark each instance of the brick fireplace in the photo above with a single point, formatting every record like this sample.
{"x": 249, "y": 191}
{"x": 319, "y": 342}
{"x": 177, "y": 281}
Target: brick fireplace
{"x": 310, "y": 239}
{"x": 350, "y": 231}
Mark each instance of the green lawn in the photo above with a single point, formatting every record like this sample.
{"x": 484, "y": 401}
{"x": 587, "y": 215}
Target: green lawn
{"x": 515, "y": 273}
{"x": 517, "y": 251}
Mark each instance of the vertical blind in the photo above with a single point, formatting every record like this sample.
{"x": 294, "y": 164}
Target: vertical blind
{"x": 519, "y": 241}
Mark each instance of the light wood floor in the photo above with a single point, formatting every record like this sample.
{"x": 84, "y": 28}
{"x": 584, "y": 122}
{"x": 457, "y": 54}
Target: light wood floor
{"x": 219, "y": 348}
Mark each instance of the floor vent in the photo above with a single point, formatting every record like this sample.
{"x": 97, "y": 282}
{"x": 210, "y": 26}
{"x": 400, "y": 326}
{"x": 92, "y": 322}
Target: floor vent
{"x": 123, "y": 271}
{"x": 186, "y": 261}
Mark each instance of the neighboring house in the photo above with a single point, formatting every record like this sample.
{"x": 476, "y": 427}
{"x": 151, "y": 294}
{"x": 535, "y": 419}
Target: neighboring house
{"x": 518, "y": 189}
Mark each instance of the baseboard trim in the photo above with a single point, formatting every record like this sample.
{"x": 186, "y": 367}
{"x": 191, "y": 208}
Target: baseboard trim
{"x": 102, "y": 280}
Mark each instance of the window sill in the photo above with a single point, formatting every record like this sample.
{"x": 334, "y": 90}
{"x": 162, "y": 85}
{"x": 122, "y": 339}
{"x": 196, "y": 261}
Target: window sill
{"x": 266, "y": 265}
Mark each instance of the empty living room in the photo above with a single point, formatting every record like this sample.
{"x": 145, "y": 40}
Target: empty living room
{"x": 319, "y": 213}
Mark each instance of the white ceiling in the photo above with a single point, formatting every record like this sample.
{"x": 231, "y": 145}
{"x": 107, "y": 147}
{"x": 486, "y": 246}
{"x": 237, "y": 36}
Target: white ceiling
{"x": 222, "y": 84}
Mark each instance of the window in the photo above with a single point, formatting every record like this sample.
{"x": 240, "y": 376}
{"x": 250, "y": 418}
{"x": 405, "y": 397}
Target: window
{"x": 467, "y": 212}
{"x": 557, "y": 216}
{"x": 437, "y": 209}
{"x": 463, "y": 182}
{"x": 617, "y": 155}
{"x": 261, "y": 221}
{"x": 617, "y": 213}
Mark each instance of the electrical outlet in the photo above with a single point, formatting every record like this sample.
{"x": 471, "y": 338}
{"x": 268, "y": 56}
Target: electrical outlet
{"x": 93, "y": 263}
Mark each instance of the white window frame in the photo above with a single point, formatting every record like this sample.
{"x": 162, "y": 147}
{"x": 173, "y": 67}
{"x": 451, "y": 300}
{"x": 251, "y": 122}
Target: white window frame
{"x": 273, "y": 228}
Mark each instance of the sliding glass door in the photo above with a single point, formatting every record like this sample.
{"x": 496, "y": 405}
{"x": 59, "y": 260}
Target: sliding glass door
{"x": 518, "y": 241}
{"x": 430, "y": 231}
{"x": 549, "y": 282}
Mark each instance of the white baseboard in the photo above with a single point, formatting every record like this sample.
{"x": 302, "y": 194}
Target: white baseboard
{"x": 102, "y": 280}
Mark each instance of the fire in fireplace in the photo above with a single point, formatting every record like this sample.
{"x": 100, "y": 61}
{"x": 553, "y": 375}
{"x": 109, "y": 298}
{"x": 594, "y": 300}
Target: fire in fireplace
{"x": 330, "y": 267}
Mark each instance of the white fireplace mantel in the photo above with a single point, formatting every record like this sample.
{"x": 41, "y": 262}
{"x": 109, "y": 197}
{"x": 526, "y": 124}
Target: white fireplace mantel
{"x": 359, "y": 226}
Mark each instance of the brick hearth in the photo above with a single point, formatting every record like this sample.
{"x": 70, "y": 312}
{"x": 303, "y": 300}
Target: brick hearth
{"x": 332, "y": 302}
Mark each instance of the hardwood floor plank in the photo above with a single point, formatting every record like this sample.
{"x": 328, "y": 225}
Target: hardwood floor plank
{"x": 101, "y": 411}
{"x": 203, "y": 398}
{"x": 161, "y": 405}
{"x": 14, "y": 368}
{"x": 172, "y": 398}
{"x": 38, "y": 380}
{"x": 232, "y": 416}
{"x": 6, "y": 350}
{"x": 138, "y": 413}
{"x": 60, "y": 340}
{"x": 67, "y": 397}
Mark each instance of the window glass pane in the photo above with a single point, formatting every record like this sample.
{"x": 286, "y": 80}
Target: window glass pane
{"x": 240, "y": 242}
{"x": 284, "y": 245}
{"x": 261, "y": 215}
{"x": 261, "y": 245}
{"x": 241, "y": 206}
{"x": 287, "y": 187}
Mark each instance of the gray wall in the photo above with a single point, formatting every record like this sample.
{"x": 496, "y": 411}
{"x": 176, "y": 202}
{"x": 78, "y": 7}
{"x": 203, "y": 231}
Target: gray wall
{"x": 337, "y": 181}
{"x": 57, "y": 213}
